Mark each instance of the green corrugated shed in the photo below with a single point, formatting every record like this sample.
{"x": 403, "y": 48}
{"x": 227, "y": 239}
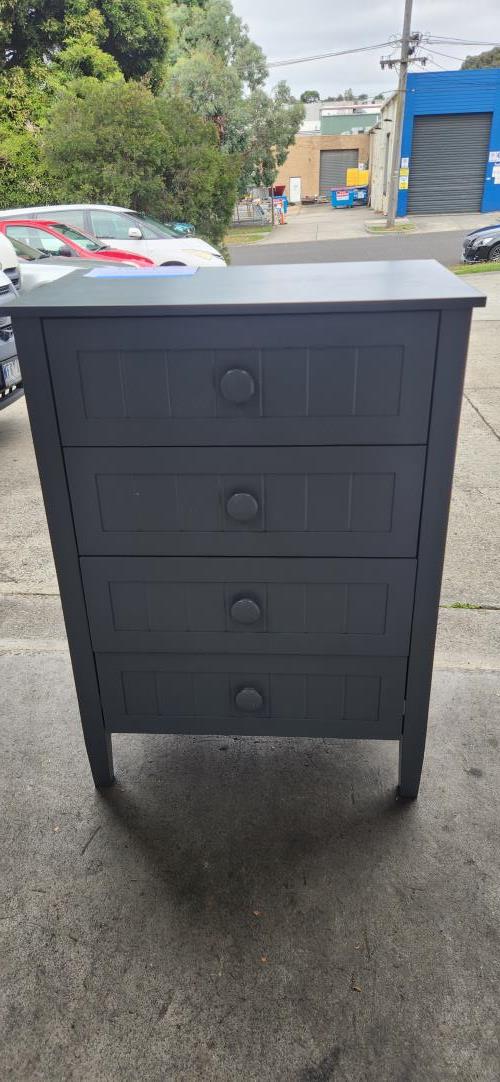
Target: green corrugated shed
{"x": 343, "y": 125}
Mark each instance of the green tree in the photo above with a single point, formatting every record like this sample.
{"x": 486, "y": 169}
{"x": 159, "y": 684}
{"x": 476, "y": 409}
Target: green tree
{"x": 213, "y": 28}
{"x": 489, "y": 59}
{"x": 271, "y": 122}
{"x": 309, "y": 96}
{"x": 152, "y": 154}
{"x": 221, "y": 73}
{"x": 136, "y": 33}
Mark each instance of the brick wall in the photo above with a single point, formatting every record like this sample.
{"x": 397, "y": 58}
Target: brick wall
{"x": 303, "y": 158}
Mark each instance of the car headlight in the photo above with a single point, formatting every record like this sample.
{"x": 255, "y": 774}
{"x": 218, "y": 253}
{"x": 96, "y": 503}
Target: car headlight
{"x": 206, "y": 256}
{"x": 482, "y": 240}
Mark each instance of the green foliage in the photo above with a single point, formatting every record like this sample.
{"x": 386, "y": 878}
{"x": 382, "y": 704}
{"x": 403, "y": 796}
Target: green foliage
{"x": 139, "y": 35}
{"x": 152, "y": 154}
{"x": 309, "y": 96}
{"x": 212, "y": 88}
{"x": 213, "y": 28}
{"x": 23, "y": 177}
{"x": 24, "y": 101}
{"x": 221, "y": 73}
{"x": 272, "y": 121}
{"x": 489, "y": 59}
{"x": 136, "y": 33}
{"x": 82, "y": 57}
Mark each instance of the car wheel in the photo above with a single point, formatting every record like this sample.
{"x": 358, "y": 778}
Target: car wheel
{"x": 173, "y": 263}
{"x": 494, "y": 256}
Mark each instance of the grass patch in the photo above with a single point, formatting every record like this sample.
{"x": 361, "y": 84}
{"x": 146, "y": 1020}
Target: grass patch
{"x": 242, "y": 235}
{"x": 463, "y": 605}
{"x": 406, "y": 227}
{"x": 475, "y": 268}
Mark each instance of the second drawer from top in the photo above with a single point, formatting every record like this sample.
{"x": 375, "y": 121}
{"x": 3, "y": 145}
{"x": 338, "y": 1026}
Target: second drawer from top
{"x": 243, "y": 380}
{"x": 246, "y": 501}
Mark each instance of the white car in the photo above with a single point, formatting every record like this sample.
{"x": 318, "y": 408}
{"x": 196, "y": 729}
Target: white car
{"x": 128, "y": 230}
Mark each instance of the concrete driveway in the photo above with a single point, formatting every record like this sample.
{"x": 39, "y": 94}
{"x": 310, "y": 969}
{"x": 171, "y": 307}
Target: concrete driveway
{"x": 240, "y": 910}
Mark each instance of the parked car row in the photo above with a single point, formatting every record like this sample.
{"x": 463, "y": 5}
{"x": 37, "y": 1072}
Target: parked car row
{"x": 134, "y": 235}
{"x": 41, "y": 244}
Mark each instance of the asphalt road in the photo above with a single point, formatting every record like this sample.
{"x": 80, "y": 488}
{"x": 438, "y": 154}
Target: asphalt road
{"x": 445, "y": 247}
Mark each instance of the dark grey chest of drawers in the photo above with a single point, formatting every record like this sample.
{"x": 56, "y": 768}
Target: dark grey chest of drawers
{"x": 247, "y": 476}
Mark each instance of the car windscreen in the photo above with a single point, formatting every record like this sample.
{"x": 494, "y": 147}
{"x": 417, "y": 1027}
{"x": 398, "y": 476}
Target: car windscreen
{"x": 151, "y": 228}
{"x": 78, "y": 237}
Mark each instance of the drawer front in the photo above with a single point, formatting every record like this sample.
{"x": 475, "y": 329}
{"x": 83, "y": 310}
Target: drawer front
{"x": 346, "y": 501}
{"x": 235, "y": 605}
{"x": 267, "y": 380}
{"x": 317, "y": 696}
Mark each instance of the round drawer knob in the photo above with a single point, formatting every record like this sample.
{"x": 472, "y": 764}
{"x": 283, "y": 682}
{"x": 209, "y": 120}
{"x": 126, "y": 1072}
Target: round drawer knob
{"x": 237, "y": 385}
{"x": 249, "y": 700}
{"x": 242, "y": 506}
{"x": 245, "y": 611}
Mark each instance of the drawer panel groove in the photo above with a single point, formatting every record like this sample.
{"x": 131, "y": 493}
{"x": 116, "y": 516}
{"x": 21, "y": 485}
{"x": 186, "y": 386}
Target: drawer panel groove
{"x": 355, "y": 501}
{"x": 249, "y": 381}
{"x": 317, "y": 696}
{"x": 235, "y": 605}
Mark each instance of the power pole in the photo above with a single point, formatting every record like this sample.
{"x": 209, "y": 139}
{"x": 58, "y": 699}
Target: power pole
{"x": 407, "y": 47}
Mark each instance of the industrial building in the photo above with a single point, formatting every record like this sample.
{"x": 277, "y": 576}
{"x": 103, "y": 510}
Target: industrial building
{"x": 333, "y": 138}
{"x": 450, "y": 148}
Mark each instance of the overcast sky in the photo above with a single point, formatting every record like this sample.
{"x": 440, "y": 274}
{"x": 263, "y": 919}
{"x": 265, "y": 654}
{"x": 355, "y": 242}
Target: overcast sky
{"x": 303, "y": 27}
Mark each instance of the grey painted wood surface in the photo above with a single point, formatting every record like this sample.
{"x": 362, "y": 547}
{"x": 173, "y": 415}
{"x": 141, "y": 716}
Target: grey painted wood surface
{"x": 241, "y": 605}
{"x": 327, "y": 696}
{"x": 275, "y": 380}
{"x": 310, "y": 501}
{"x": 415, "y": 285}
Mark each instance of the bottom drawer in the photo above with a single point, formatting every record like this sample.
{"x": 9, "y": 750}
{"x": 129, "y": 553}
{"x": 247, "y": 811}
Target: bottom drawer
{"x": 281, "y": 696}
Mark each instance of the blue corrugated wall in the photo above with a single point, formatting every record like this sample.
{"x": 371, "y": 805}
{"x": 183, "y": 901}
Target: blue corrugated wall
{"x": 440, "y": 92}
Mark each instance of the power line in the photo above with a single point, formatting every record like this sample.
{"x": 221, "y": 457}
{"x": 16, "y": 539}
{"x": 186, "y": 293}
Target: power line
{"x": 326, "y": 56}
{"x": 436, "y": 39}
{"x": 431, "y": 61}
{"x": 394, "y": 42}
{"x": 448, "y": 56}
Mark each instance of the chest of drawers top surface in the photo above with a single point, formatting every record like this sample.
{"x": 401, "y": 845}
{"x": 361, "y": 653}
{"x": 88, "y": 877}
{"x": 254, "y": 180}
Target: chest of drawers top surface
{"x": 312, "y": 287}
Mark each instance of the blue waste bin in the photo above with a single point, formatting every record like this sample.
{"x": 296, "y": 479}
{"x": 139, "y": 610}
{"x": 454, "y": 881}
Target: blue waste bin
{"x": 342, "y": 197}
{"x": 360, "y": 197}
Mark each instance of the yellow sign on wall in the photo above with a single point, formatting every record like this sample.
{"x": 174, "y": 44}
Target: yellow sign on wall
{"x": 403, "y": 183}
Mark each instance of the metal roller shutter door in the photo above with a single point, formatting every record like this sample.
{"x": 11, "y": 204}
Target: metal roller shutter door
{"x": 332, "y": 169}
{"x": 448, "y": 163}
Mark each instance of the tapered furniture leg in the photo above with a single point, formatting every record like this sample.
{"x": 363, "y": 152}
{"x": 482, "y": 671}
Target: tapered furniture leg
{"x": 100, "y": 753}
{"x": 411, "y": 757}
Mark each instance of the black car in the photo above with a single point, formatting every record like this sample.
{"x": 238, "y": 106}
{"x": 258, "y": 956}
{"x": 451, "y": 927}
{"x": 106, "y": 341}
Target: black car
{"x": 482, "y": 245}
{"x": 11, "y": 384}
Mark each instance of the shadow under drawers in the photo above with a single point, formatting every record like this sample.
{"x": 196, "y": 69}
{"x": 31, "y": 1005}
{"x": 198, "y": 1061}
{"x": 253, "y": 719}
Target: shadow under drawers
{"x": 249, "y": 605}
{"x": 234, "y": 501}
{"x": 308, "y": 696}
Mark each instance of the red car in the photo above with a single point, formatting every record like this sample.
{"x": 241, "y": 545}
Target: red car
{"x": 55, "y": 238}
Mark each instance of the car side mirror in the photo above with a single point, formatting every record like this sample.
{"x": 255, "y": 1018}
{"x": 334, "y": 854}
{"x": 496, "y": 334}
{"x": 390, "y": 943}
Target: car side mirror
{"x": 135, "y": 233}
{"x": 65, "y": 250}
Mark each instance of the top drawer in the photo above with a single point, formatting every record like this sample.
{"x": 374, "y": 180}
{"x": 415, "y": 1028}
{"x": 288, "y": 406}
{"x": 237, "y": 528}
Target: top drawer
{"x": 247, "y": 380}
